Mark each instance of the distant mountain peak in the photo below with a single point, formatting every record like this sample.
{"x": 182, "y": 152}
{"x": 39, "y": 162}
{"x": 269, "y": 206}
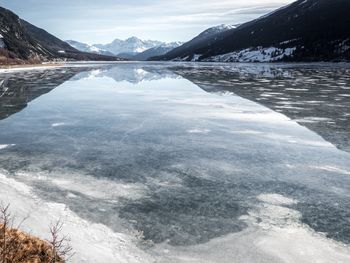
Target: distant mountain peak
{"x": 134, "y": 39}
{"x": 223, "y": 27}
{"x": 217, "y": 29}
{"x": 88, "y": 48}
{"x": 157, "y": 51}
{"x": 129, "y": 47}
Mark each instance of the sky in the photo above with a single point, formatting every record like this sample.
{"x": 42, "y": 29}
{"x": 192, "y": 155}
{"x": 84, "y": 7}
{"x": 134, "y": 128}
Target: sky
{"x": 102, "y": 21}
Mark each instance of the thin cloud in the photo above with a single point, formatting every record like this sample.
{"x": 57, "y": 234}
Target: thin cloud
{"x": 104, "y": 20}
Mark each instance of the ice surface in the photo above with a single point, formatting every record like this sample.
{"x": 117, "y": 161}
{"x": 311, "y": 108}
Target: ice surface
{"x": 275, "y": 234}
{"x": 183, "y": 155}
{"x": 91, "y": 242}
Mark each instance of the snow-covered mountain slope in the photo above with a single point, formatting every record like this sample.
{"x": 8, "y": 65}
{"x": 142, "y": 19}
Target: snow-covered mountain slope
{"x": 88, "y": 48}
{"x": 132, "y": 46}
{"x": 258, "y": 54}
{"x": 306, "y": 30}
{"x": 157, "y": 51}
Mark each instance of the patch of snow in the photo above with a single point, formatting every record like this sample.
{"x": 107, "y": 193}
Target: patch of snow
{"x": 224, "y": 27}
{"x": 4, "y": 146}
{"x": 312, "y": 120}
{"x": 303, "y": 2}
{"x": 85, "y": 47}
{"x": 289, "y": 41}
{"x": 259, "y": 54}
{"x": 172, "y": 44}
{"x": 2, "y": 43}
{"x": 94, "y": 49}
{"x": 196, "y": 57}
{"x": 181, "y": 59}
{"x": 140, "y": 49}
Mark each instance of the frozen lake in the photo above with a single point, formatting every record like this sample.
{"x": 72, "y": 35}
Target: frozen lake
{"x": 182, "y": 162}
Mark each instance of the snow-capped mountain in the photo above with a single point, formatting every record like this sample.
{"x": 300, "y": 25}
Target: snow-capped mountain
{"x": 88, "y": 48}
{"x": 131, "y": 46}
{"x": 216, "y": 29}
{"x": 157, "y": 51}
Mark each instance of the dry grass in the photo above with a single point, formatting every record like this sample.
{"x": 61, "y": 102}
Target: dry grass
{"x": 19, "y": 247}
{"x": 8, "y": 58}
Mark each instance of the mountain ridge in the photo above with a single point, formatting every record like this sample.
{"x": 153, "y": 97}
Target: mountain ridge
{"x": 88, "y": 48}
{"x": 200, "y": 39}
{"x": 131, "y": 45}
{"x": 156, "y": 51}
{"x": 133, "y": 48}
{"x": 311, "y": 30}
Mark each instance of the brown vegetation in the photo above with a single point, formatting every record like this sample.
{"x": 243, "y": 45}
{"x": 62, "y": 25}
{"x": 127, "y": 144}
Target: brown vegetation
{"x": 19, "y": 247}
{"x": 9, "y": 58}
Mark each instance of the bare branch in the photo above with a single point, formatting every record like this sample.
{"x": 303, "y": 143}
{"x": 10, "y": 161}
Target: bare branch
{"x": 60, "y": 244}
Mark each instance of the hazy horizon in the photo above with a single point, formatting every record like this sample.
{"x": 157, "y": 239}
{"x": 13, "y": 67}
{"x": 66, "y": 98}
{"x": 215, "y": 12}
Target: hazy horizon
{"x": 103, "y": 21}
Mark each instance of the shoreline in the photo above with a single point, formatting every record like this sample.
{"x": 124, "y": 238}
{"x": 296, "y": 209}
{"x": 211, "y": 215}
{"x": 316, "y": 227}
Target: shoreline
{"x": 52, "y": 65}
{"x": 20, "y": 67}
{"x": 91, "y": 242}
